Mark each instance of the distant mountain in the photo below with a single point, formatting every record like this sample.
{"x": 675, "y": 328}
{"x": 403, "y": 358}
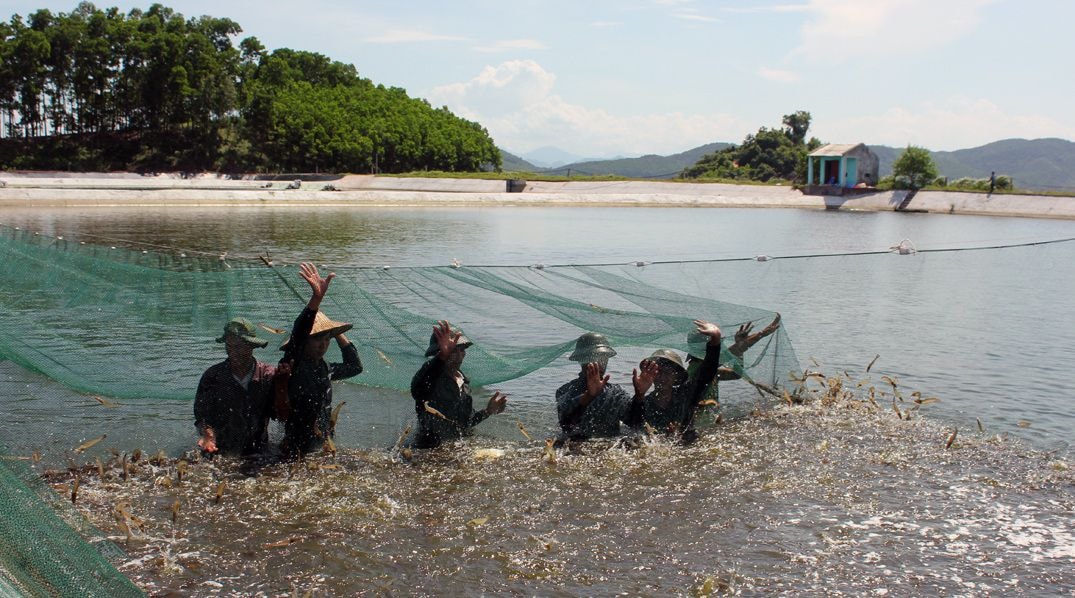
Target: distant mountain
{"x": 1041, "y": 164}
{"x": 512, "y": 163}
{"x": 550, "y": 157}
{"x": 649, "y": 166}
{"x": 1036, "y": 164}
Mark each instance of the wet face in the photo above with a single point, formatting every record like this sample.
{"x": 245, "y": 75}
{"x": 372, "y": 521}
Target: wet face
{"x": 317, "y": 346}
{"x": 238, "y": 350}
{"x": 669, "y": 375}
{"x": 456, "y": 358}
{"x": 602, "y": 363}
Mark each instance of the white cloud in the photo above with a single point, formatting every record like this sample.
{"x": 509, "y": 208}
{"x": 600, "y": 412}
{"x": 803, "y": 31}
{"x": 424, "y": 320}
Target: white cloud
{"x": 515, "y": 102}
{"x": 778, "y": 75}
{"x": 770, "y": 8}
{"x": 510, "y": 45}
{"x": 955, "y": 123}
{"x": 686, "y": 16}
{"x": 605, "y": 24}
{"x": 497, "y": 91}
{"x": 838, "y": 28}
{"x": 406, "y": 36}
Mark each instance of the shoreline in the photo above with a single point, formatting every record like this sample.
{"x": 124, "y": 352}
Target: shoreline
{"x": 207, "y": 190}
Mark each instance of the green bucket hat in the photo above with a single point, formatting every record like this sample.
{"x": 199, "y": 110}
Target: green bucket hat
{"x": 591, "y": 347}
{"x": 434, "y": 348}
{"x": 670, "y": 356}
{"x": 243, "y": 329}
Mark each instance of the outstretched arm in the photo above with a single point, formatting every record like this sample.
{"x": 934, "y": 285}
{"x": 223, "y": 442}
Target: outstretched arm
{"x": 497, "y": 404}
{"x": 706, "y": 374}
{"x": 744, "y": 340}
{"x": 318, "y": 285}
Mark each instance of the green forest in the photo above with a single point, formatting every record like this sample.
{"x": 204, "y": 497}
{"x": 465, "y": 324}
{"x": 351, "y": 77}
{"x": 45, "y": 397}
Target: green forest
{"x": 152, "y": 90}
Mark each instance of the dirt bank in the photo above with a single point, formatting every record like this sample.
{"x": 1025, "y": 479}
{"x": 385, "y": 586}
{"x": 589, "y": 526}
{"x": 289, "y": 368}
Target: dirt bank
{"x": 66, "y": 189}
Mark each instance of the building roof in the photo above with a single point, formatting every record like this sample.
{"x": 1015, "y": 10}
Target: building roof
{"x": 834, "y": 149}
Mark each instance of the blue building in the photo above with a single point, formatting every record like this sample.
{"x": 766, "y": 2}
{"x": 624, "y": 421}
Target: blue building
{"x": 842, "y": 165}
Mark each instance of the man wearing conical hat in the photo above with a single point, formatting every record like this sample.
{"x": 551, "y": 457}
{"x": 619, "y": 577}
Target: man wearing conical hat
{"x": 670, "y": 408}
{"x": 233, "y": 403}
{"x": 590, "y": 406}
{"x": 307, "y": 409}
{"x": 441, "y": 392}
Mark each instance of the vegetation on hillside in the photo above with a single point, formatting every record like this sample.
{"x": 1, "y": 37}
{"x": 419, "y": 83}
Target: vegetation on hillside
{"x": 1039, "y": 164}
{"x": 914, "y": 169}
{"x": 770, "y": 155}
{"x": 650, "y": 166}
{"x": 151, "y": 90}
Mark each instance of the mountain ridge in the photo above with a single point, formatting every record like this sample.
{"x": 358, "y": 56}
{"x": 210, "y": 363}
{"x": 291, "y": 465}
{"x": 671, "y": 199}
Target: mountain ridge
{"x": 1037, "y": 164}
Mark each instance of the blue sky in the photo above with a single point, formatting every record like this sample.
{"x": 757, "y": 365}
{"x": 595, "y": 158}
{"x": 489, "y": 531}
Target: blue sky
{"x": 601, "y": 78}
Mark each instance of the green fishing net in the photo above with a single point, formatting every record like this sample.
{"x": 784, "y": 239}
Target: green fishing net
{"x": 129, "y": 323}
{"x": 42, "y": 554}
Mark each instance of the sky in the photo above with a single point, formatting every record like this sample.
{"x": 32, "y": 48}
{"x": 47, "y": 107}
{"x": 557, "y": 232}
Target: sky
{"x": 600, "y": 78}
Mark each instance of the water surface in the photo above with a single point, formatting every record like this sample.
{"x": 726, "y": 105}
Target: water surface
{"x": 839, "y": 497}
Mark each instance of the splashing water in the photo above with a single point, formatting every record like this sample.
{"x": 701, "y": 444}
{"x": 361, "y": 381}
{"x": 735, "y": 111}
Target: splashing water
{"x": 835, "y": 495}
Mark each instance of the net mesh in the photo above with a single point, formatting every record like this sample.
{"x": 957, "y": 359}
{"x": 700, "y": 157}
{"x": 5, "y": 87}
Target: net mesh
{"x": 137, "y": 324}
{"x": 42, "y": 553}
{"x": 127, "y": 323}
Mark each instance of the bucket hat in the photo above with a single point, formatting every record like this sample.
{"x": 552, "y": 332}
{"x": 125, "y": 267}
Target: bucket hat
{"x": 242, "y": 329}
{"x": 590, "y": 347}
{"x": 668, "y": 356}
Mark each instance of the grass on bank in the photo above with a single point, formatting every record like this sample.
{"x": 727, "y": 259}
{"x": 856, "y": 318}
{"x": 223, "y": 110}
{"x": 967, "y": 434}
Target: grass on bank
{"x": 544, "y": 177}
{"x": 884, "y": 185}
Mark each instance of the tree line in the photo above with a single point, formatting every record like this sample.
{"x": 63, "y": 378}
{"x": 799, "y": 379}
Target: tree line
{"x": 99, "y": 89}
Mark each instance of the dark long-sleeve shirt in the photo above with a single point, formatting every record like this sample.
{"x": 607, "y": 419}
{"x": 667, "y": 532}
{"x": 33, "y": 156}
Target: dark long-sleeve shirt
{"x": 600, "y": 418}
{"x": 433, "y": 384}
{"x": 678, "y": 415}
{"x": 309, "y": 390}
{"x": 238, "y": 416}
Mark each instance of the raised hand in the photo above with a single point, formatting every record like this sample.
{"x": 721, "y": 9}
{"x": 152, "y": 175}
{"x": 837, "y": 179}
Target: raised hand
{"x": 743, "y": 333}
{"x": 709, "y": 329}
{"x": 447, "y": 339}
{"x": 744, "y": 340}
{"x": 644, "y": 380}
{"x": 318, "y": 285}
{"x": 595, "y": 382}
{"x": 497, "y": 403}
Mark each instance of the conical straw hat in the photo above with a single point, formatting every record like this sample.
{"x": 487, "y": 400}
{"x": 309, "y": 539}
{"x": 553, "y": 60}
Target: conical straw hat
{"x": 323, "y": 326}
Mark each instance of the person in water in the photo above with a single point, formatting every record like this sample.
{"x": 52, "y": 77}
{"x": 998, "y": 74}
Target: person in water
{"x": 441, "y": 391}
{"x": 233, "y": 403}
{"x": 590, "y": 406}
{"x": 306, "y": 405}
{"x": 744, "y": 340}
{"x": 670, "y": 408}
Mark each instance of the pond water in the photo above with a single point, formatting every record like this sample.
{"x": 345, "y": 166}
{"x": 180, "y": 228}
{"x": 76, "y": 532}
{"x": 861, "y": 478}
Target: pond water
{"x": 804, "y": 499}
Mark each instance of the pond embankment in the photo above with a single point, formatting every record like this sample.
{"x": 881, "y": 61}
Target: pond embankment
{"x": 124, "y": 189}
